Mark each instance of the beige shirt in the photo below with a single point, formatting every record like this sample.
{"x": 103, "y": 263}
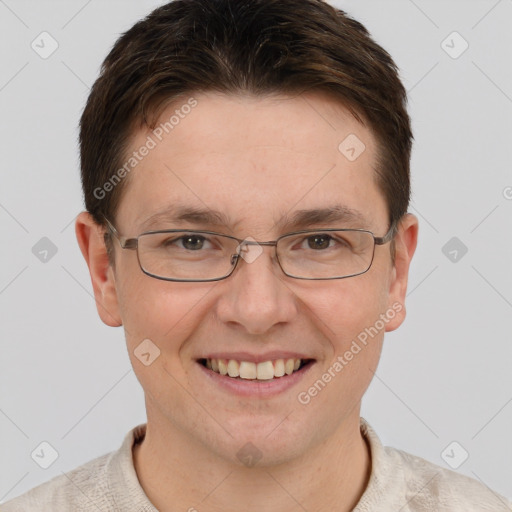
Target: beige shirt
{"x": 398, "y": 482}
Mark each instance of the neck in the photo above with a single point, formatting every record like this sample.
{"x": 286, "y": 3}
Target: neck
{"x": 178, "y": 473}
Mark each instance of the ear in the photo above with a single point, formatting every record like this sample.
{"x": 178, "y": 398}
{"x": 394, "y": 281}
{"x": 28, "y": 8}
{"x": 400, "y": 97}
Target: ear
{"x": 90, "y": 239}
{"x": 406, "y": 240}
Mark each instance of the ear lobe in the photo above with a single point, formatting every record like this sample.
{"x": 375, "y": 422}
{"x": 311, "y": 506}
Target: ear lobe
{"x": 90, "y": 239}
{"x": 406, "y": 240}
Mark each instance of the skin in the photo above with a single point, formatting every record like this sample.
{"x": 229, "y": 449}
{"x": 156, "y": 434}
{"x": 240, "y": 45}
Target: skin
{"x": 255, "y": 159}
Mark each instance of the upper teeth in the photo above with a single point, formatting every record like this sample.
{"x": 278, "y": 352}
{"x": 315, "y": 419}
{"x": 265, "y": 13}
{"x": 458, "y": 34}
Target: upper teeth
{"x": 246, "y": 370}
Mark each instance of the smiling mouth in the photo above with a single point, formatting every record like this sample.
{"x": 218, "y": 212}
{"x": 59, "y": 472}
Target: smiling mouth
{"x": 246, "y": 370}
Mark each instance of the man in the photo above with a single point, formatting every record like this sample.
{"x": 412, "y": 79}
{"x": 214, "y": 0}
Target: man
{"x": 245, "y": 166}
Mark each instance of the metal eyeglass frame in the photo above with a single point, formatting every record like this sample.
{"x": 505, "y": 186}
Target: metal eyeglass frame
{"x": 133, "y": 243}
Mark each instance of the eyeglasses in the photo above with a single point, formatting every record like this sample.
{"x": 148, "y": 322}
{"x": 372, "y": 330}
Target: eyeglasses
{"x": 198, "y": 256}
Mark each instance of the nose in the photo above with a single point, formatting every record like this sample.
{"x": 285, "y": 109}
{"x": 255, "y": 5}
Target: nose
{"x": 256, "y": 297}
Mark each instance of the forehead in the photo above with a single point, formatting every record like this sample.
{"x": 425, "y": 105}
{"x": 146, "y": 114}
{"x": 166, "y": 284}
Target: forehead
{"x": 258, "y": 162}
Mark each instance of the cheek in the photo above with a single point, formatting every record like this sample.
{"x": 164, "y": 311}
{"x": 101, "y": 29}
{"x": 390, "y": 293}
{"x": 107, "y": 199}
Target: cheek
{"x": 348, "y": 316}
{"x": 165, "y": 312}
{"x": 158, "y": 318}
{"x": 348, "y": 307}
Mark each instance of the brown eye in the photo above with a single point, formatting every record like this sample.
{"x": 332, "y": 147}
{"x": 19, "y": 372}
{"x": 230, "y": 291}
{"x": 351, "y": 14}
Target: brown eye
{"x": 189, "y": 242}
{"x": 192, "y": 242}
{"x": 317, "y": 242}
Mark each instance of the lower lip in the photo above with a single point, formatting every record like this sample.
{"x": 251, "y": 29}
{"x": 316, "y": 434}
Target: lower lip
{"x": 256, "y": 388}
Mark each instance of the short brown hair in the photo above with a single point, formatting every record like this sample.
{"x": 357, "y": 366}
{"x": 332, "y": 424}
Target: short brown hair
{"x": 241, "y": 46}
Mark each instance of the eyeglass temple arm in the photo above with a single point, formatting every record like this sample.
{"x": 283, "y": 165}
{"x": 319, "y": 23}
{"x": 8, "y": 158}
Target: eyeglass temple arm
{"x": 381, "y": 240}
{"x": 125, "y": 243}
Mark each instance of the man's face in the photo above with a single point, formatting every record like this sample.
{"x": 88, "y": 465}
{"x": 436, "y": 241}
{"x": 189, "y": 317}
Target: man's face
{"x": 255, "y": 161}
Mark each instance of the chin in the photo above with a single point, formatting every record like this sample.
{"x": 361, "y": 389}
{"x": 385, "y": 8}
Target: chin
{"x": 263, "y": 441}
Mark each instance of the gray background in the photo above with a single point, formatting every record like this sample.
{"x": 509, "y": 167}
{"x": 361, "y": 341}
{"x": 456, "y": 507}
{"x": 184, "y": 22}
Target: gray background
{"x": 445, "y": 375}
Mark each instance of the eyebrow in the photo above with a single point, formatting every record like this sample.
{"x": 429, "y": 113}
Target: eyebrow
{"x": 181, "y": 214}
{"x": 336, "y": 213}
{"x": 300, "y": 219}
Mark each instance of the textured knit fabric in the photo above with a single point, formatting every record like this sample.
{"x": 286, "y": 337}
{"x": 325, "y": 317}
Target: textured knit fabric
{"x": 399, "y": 482}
